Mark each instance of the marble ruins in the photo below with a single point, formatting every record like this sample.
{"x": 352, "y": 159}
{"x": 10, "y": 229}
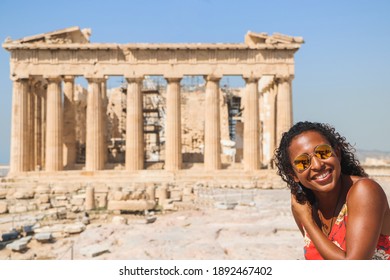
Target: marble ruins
{"x": 140, "y": 147}
{"x": 44, "y": 68}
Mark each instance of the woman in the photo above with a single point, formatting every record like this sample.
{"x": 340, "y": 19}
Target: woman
{"x": 341, "y": 213}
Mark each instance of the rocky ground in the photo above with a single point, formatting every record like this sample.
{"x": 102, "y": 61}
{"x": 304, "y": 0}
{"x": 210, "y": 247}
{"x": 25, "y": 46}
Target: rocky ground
{"x": 259, "y": 227}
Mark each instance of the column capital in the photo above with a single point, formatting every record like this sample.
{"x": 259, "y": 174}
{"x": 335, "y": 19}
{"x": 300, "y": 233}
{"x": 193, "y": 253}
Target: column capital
{"x": 251, "y": 79}
{"x": 173, "y": 79}
{"x": 284, "y": 78}
{"x": 212, "y": 77}
{"x": 134, "y": 79}
{"x": 68, "y": 78}
{"x": 53, "y": 78}
{"x": 94, "y": 79}
{"x": 16, "y": 78}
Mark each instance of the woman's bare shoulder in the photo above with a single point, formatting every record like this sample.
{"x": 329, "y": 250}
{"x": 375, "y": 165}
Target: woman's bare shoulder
{"x": 365, "y": 189}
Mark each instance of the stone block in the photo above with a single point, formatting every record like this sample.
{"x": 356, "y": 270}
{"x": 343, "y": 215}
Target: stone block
{"x": 94, "y": 250}
{"x": 43, "y": 198}
{"x": 43, "y": 237}
{"x": 17, "y": 209}
{"x": 42, "y": 189}
{"x": 60, "y": 190}
{"x": 77, "y": 201}
{"x": 3, "y": 207}
{"x": 3, "y": 193}
{"x": 17, "y": 246}
{"x": 74, "y": 228}
{"x": 131, "y": 205}
{"x": 24, "y": 194}
{"x": 101, "y": 200}
{"x": 44, "y": 206}
{"x": 8, "y": 236}
{"x": 119, "y": 220}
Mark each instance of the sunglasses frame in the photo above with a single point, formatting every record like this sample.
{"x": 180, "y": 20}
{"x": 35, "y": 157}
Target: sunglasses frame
{"x": 310, "y": 156}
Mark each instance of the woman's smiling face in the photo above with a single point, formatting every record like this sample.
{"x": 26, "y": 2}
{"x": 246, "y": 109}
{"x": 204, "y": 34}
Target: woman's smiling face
{"x": 322, "y": 174}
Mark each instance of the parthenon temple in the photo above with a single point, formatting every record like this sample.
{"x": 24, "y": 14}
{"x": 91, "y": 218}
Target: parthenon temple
{"x": 46, "y": 125}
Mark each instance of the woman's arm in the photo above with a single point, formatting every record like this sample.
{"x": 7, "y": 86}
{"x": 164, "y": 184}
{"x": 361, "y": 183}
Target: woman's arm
{"x": 366, "y": 207}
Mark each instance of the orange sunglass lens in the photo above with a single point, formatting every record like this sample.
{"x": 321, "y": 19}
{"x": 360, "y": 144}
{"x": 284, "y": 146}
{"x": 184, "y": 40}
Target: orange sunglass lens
{"x": 302, "y": 162}
{"x": 323, "y": 152}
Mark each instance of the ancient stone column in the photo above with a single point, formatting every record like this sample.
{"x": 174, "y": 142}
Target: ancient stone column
{"x": 173, "y": 157}
{"x": 31, "y": 127}
{"x": 89, "y": 198}
{"x": 69, "y": 123}
{"x": 272, "y": 121}
{"x": 105, "y": 119}
{"x": 284, "y": 117}
{"x": 212, "y": 155}
{"x": 251, "y": 125}
{"x": 19, "y": 153}
{"x": 38, "y": 126}
{"x": 43, "y": 94}
{"x": 54, "y": 124}
{"x": 134, "y": 125}
{"x": 94, "y": 142}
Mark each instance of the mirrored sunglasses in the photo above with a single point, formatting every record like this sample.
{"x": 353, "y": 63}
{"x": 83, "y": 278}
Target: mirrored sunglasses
{"x": 303, "y": 161}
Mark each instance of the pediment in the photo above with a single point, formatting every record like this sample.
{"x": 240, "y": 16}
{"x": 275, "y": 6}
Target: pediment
{"x": 63, "y": 36}
{"x": 253, "y": 39}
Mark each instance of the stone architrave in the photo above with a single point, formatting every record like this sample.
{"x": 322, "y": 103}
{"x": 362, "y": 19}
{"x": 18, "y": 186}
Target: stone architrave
{"x": 134, "y": 125}
{"x": 94, "y": 135}
{"x": 19, "y": 153}
{"x": 173, "y": 156}
{"x": 251, "y": 125}
{"x": 69, "y": 123}
{"x": 284, "y": 117}
{"x": 212, "y": 158}
{"x": 54, "y": 125}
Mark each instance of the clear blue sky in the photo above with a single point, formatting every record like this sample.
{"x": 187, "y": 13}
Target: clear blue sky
{"x": 342, "y": 72}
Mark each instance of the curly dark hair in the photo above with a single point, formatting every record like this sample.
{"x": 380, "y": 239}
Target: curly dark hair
{"x": 349, "y": 164}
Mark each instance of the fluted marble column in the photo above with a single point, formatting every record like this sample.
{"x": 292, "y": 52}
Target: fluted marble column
{"x": 94, "y": 136}
{"x": 212, "y": 155}
{"x": 37, "y": 150}
{"x": 19, "y": 155}
{"x": 272, "y": 121}
{"x": 43, "y": 94}
{"x": 69, "y": 123}
{"x": 104, "y": 116}
{"x": 251, "y": 125}
{"x": 54, "y": 124}
{"x": 134, "y": 125}
{"x": 284, "y": 118}
{"x": 173, "y": 157}
{"x": 31, "y": 125}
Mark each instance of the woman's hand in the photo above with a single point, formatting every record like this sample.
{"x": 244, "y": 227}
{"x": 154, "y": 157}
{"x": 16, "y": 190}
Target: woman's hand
{"x": 302, "y": 212}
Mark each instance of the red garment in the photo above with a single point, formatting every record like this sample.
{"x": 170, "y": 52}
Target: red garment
{"x": 337, "y": 236}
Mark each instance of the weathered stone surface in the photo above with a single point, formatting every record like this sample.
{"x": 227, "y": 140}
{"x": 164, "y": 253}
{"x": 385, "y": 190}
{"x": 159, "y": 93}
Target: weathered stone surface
{"x": 131, "y": 205}
{"x": 43, "y": 198}
{"x": 42, "y": 189}
{"x": 24, "y": 194}
{"x": 95, "y": 250}
{"x": 74, "y": 228}
{"x": 3, "y": 207}
{"x": 119, "y": 220}
{"x": 43, "y": 237}
{"x": 3, "y": 193}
